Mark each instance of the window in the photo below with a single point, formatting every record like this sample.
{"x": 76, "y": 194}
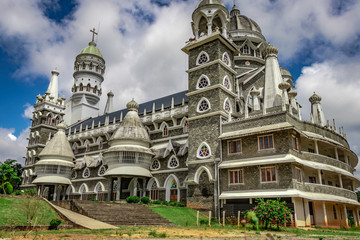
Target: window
{"x": 235, "y": 176}
{"x": 155, "y": 164}
{"x": 226, "y": 83}
{"x": 75, "y": 148}
{"x": 227, "y": 106}
{"x": 165, "y": 131}
{"x": 186, "y": 127}
{"x": 90, "y": 66}
{"x": 83, "y": 66}
{"x": 102, "y": 170}
{"x": 312, "y": 179}
{"x": 203, "y": 105}
{"x": 204, "y": 151}
{"x": 226, "y": 59}
{"x": 86, "y": 173}
{"x": 81, "y": 87}
{"x": 234, "y": 146}
{"x": 266, "y": 142}
{"x": 298, "y": 175}
{"x": 97, "y": 68}
{"x": 73, "y": 175}
{"x": 203, "y": 82}
{"x": 311, "y": 150}
{"x": 257, "y": 52}
{"x": 246, "y": 50}
{"x": 173, "y": 162}
{"x": 101, "y": 145}
{"x": 88, "y": 88}
{"x": 295, "y": 143}
{"x": 154, "y": 194}
{"x": 48, "y": 120}
{"x": 268, "y": 174}
{"x": 202, "y": 58}
{"x": 95, "y": 89}
{"x": 87, "y": 147}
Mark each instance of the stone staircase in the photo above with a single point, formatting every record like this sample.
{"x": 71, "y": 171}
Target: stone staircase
{"x": 116, "y": 213}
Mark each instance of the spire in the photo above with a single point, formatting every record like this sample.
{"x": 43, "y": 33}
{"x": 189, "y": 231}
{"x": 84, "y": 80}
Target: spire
{"x": 235, "y": 10}
{"x": 272, "y": 95}
{"x": 109, "y": 103}
{"x": 317, "y": 115}
{"x": 53, "y": 86}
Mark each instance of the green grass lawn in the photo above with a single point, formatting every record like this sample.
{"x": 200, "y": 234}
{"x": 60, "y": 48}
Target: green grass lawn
{"x": 14, "y": 211}
{"x": 178, "y": 215}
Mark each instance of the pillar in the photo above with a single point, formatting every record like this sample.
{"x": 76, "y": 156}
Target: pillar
{"x": 356, "y": 218}
{"x": 307, "y": 213}
{"x": 295, "y": 215}
{"x": 325, "y": 215}
{"x": 135, "y": 185}
{"x": 357, "y": 215}
{"x": 340, "y": 181}
{"x": 55, "y": 192}
{"x": 209, "y": 25}
{"x": 346, "y": 217}
{"x": 319, "y": 176}
{"x": 118, "y": 190}
{"x": 144, "y": 187}
{"x": 316, "y": 147}
{"x": 336, "y": 154}
{"x": 110, "y": 189}
{"x": 346, "y": 159}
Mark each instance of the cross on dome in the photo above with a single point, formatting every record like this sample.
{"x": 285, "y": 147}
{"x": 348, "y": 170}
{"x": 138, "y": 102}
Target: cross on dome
{"x": 93, "y": 33}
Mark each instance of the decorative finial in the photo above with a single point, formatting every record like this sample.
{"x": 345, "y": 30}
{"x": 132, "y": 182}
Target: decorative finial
{"x": 93, "y": 34}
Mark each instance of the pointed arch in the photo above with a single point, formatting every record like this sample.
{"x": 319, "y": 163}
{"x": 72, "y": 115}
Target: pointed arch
{"x": 199, "y": 171}
{"x": 69, "y": 190}
{"x": 203, "y": 82}
{"x": 151, "y": 182}
{"x": 203, "y": 150}
{"x": 227, "y": 82}
{"x": 226, "y": 59}
{"x": 185, "y": 124}
{"x": 227, "y": 106}
{"x": 171, "y": 186}
{"x": 203, "y": 105}
{"x": 165, "y": 129}
{"x": 202, "y": 58}
{"x": 88, "y": 87}
{"x": 87, "y": 145}
{"x": 99, "y": 187}
{"x": 81, "y": 88}
{"x": 83, "y": 188}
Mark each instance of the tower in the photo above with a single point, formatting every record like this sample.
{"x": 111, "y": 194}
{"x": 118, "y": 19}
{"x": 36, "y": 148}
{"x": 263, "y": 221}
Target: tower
{"x": 89, "y": 69}
{"x": 211, "y": 84}
{"x": 49, "y": 110}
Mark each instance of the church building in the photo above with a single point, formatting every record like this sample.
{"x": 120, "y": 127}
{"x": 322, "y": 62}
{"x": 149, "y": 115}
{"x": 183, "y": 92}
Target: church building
{"x": 234, "y": 135}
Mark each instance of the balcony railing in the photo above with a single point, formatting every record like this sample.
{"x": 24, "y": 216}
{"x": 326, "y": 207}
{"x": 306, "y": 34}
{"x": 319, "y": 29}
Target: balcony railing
{"x": 326, "y": 189}
{"x": 322, "y": 159}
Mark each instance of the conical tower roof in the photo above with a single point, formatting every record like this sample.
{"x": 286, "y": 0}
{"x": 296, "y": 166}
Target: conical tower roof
{"x": 58, "y": 146}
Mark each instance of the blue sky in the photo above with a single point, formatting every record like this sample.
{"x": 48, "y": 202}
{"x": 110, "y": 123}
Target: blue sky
{"x": 318, "y": 42}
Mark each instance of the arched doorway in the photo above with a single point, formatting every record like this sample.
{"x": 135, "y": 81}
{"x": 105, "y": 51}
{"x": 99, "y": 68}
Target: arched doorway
{"x": 172, "y": 188}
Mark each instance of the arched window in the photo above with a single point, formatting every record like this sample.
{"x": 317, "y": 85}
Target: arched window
{"x": 49, "y": 119}
{"x": 257, "y": 53}
{"x": 101, "y": 145}
{"x": 165, "y": 131}
{"x": 86, "y": 173}
{"x": 154, "y": 194}
{"x": 186, "y": 127}
{"x": 97, "y": 68}
{"x": 57, "y": 121}
{"x": 155, "y": 165}
{"x": 173, "y": 162}
{"x": 87, "y": 146}
{"x": 102, "y": 170}
{"x": 95, "y": 89}
{"x": 88, "y": 88}
{"x": 81, "y": 87}
{"x": 83, "y": 66}
{"x": 226, "y": 58}
{"x": 203, "y": 151}
{"x": 226, "y": 82}
{"x": 75, "y": 88}
{"x": 73, "y": 174}
{"x": 203, "y": 105}
{"x": 203, "y": 82}
{"x": 246, "y": 49}
{"x": 90, "y": 66}
{"x": 227, "y": 105}
{"x": 202, "y": 58}
{"x": 75, "y": 148}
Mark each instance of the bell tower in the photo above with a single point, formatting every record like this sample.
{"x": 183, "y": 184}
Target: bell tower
{"x": 89, "y": 69}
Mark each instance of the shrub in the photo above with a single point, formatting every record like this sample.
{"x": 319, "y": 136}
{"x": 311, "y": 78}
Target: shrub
{"x": 252, "y": 218}
{"x": 145, "y": 200}
{"x": 179, "y": 204}
{"x": 132, "y": 199}
{"x": 29, "y": 192}
{"x": 18, "y": 192}
{"x": 164, "y": 203}
{"x": 93, "y": 200}
{"x": 7, "y": 187}
{"x": 272, "y": 210}
{"x": 54, "y": 224}
{"x": 153, "y": 233}
{"x": 156, "y": 202}
{"x": 172, "y": 203}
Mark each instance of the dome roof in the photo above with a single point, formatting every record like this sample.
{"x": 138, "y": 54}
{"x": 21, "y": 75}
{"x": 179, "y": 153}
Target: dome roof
{"x": 241, "y": 22}
{"x": 208, "y": 2}
{"x": 285, "y": 72}
{"x": 315, "y": 98}
{"x": 131, "y": 128}
{"x": 91, "y": 49}
{"x": 58, "y": 146}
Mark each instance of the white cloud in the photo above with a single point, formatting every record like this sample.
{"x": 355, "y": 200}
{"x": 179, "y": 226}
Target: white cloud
{"x": 29, "y": 109}
{"x": 12, "y": 147}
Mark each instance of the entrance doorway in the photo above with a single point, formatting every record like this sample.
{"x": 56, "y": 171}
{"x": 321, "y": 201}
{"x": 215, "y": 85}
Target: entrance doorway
{"x": 311, "y": 211}
{"x": 173, "y": 195}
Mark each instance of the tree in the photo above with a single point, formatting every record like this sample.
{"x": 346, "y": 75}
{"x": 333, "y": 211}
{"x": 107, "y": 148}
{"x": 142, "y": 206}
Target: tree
{"x": 272, "y": 210}
{"x": 8, "y": 174}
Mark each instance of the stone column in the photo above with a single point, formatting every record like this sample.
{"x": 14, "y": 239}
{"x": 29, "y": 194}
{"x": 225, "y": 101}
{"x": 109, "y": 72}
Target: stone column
{"x": 346, "y": 217}
{"x": 356, "y": 218}
{"x": 319, "y": 176}
{"x": 295, "y": 215}
{"x": 144, "y": 187}
{"x": 255, "y": 94}
{"x": 346, "y": 159}
{"x": 118, "y": 190}
{"x": 110, "y": 189}
{"x": 299, "y": 111}
{"x": 325, "y": 215}
{"x": 357, "y": 215}
{"x": 316, "y": 147}
{"x": 55, "y": 192}
{"x": 42, "y": 190}
{"x": 209, "y": 25}
{"x": 307, "y": 214}
{"x": 340, "y": 181}
{"x": 135, "y": 185}
{"x": 336, "y": 154}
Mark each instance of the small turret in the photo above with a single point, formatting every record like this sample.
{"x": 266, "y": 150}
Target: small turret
{"x": 53, "y": 86}
{"x": 317, "y": 115}
{"x": 109, "y": 103}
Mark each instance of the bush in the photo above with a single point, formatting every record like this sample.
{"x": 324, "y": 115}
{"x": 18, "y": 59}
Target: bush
{"x": 145, "y": 200}
{"x": 156, "y": 202}
{"x": 132, "y": 199}
{"x": 179, "y": 204}
{"x": 164, "y": 203}
{"x": 18, "y": 192}
{"x": 93, "y": 200}
{"x": 7, "y": 187}
{"x": 153, "y": 233}
{"x": 54, "y": 224}
{"x": 252, "y": 218}
{"x": 172, "y": 203}
{"x": 29, "y": 192}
